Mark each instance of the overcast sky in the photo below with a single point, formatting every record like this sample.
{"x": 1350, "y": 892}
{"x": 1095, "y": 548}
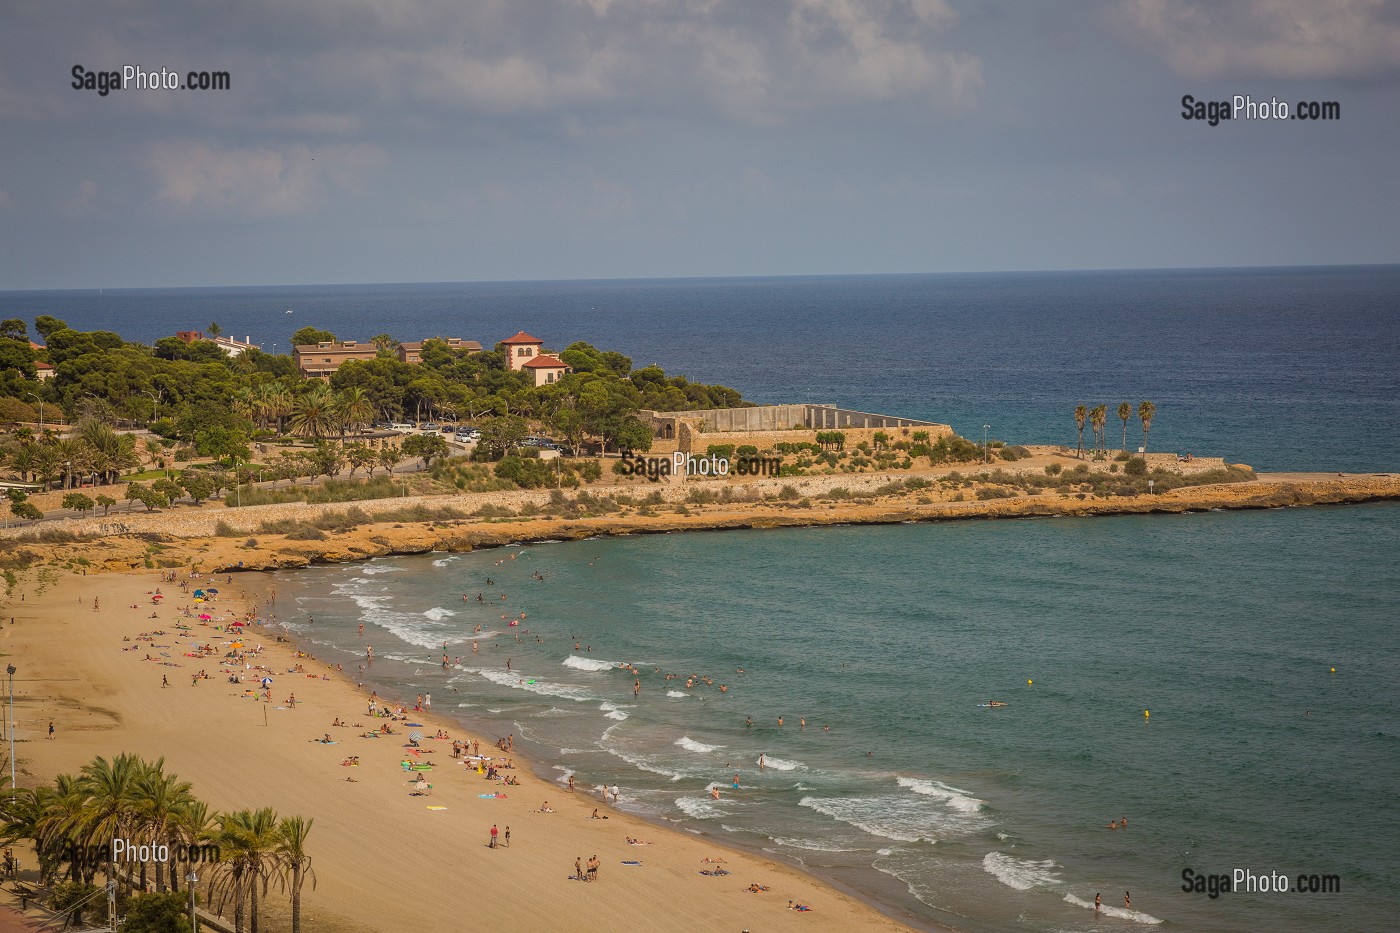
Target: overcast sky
{"x": 447, "y": 140}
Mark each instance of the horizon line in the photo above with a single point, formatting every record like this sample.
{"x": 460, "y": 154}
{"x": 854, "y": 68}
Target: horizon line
{"x": 698, "y": 278}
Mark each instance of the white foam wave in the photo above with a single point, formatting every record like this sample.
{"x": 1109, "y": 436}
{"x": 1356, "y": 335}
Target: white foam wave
{"x": 370, "y": 570}
{"x": 952, "y": 797}
{"x": 699, "y": 808}
{"x": 579, "y": 663}
{"x": 534, "y": 685}
{"x": 689, "y": 744}
{"x": 813, "y": 845}
{"x": 676, "y": 693}
{"x": 443, "y": 562}
{"x": 1021, "y": 874}
{"x": 900, "y": 817}
{"x": 612, "y": 711}
{"x": 437, "y": 613}
{"x": 1121, "y": 913}
{"x": 782, "y": 764}
{"x": 645, "y": 765}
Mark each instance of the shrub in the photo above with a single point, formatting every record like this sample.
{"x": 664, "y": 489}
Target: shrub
{"x": 1053, "y": 469}
{"x": 1137, "y": 466}
{"x": 789, "y": 493}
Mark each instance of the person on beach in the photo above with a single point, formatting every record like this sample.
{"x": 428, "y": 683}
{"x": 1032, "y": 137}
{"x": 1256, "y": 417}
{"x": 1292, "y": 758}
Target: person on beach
{"x": 1098, "y": 902}
{"x": 593, "y": 864}
{"x": 571, "y": 783}
{"x": 1127, "y": 901}
{"x": 50, "y": 729}
{"x": 578, "y": 869}
{"x": 761, "y": 764}
{"x": 494, "y": 833}
{"x": 615, "y": 793}
{"x": 507, "y": 837}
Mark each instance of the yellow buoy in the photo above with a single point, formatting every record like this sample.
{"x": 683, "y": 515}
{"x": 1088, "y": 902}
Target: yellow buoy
{"x": 1334, "y": 670}
{"x": 1147, "y": 714}
{"x": 1029, "y": 682}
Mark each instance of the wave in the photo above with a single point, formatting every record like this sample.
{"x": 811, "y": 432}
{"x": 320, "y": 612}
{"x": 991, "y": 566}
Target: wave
{"x": 612, "y": 711}
{"x": 782, "y": 764}
{"x": 444, "y": 561}
{"x": 796, "y": 843}
{"x": 437, "y": 613}
{"x": 699, "y": 808}
{"x": 676, "y": 693}
{"x": 1121, "y": 913}
{"x": 588, "y": 664}
{"x": 689, "y": 744}
{"x": 952, "y": 797}
{"x": 370, "y": 570}
{"x": 534, "y": 685}
{"x": 901, "y": 817}
{"x": 644, "y": 764}
{"x": 1021, "y": 874}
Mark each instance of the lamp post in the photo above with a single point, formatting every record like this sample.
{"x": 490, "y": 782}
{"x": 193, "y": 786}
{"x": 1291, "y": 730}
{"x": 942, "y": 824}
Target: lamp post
{"x": 193, "y": 879}
{"x": 68, "y": 474}
{"x": 41, "y": 410}
{"x": 11, "y": 670}
{"x": 155, "y": 403}
{"x": 985, "y": 429}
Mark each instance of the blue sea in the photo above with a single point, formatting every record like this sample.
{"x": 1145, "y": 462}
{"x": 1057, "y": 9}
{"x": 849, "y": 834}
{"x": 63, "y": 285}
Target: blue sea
{"x": 1263, "y": 644}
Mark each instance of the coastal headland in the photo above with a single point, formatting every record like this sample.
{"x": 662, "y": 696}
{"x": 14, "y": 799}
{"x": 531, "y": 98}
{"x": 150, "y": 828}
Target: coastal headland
{"x": 298, "y": 534}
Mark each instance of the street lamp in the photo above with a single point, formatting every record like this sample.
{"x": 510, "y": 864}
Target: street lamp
{"x": 155, "y": 403}
{"x": 193, "y": 879}
{"x": 985, "y": 429}
{"x": 41, "y": 410}
{"x": 11, "y": 670}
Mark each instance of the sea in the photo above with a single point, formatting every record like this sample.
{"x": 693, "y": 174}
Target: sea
{"x": 1224, "y": 680}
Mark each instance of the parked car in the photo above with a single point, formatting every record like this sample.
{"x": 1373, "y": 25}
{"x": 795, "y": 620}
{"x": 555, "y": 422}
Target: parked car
{"x": 401, "y": 426}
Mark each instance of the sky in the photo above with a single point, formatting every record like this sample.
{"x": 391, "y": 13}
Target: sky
{"x": 462, "y": 140}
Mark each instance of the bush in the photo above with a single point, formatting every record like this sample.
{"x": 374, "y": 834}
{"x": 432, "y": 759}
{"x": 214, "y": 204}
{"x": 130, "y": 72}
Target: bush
{"x": 1137, "y": 466}
{"x": 156, "y": 913}
{"x": 1053, "y": 469}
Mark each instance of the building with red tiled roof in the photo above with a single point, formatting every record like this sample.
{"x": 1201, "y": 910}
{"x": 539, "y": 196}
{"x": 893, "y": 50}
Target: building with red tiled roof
{"x": 546, "y": 368}
{"x": 43, "y": 371}
{"x": 520, "y": 349}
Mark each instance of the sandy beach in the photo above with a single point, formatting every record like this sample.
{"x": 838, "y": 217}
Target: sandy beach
{"x": 384, "y": 858}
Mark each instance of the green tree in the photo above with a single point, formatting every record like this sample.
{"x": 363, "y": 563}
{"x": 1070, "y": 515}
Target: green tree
{"x": 326, "y": 459}
{"x": 1098, "y": 417}
{"x": 13, "y": 328}
{"x": 26, "y": 510}
{"x": 425, "y": 447}
{"x": 198, "y": 484}
{"x": 156, "y": 913}
{"x": 1125, "y": 411}
{"x": 295, "y": 862}
{"x": 314, "y": 414}
{"x": 78, "y": 502}
{"x": 47, "y": 326}
{"x": 1081, "y": 414}
{"x": 213, "y": 330}
{"x": 311, "y": 335}
{"x": 106, "y": 502}
{"x": 1145, "y": 413}
{"x": 633, "y": 434}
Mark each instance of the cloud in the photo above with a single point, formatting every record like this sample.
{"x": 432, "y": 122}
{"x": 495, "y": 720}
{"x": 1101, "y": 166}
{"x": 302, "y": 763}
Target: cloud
{"x": 256, "y": 182}
{"x": 1269, "y": 39}
{"x": 83, "y": 200}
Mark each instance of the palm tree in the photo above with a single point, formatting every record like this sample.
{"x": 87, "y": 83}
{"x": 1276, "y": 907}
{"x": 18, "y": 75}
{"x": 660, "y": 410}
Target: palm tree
{"x": 1145, "y": 412}
{"x": 1080, "y": 415}
{"x": 296, "y": 864}
{"x": 192, "y": 826}
{"x": 248, "y": 841}
{"x": 159, "y": 799}
{"x": 108, "y": 788}
{"x": 1125, "y": 411}
{"x": 314, "y": 414}
{"x": 1099, "y": 418}
{"x": 354, "y": 409}
{"x": 214, "y": 330}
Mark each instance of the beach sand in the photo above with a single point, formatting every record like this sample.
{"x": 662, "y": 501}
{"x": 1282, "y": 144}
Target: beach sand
{"x": 383, "y": 859}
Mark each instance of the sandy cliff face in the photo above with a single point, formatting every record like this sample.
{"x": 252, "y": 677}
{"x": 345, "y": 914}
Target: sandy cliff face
{"x": 179, "y": 539}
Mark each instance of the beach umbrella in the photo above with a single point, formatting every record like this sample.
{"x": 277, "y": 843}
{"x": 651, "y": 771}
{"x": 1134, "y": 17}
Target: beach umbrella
{"x": 158, "y": 596}
{"x": 416, "y": 736}
{"x": 199, "y": 593}
{"x": 236, "y": 624}
{"x": 211, "y": 590}
{"x": 267, "y": 681}
{"x": 237, "y": 644}
{"x": 205, "y": 616}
